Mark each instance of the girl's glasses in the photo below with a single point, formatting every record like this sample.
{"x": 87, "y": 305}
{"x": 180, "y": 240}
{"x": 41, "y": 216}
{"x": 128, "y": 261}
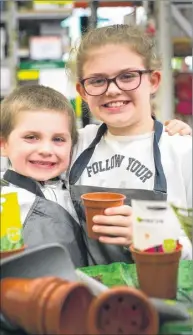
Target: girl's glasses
{"x": 125, "y": 81}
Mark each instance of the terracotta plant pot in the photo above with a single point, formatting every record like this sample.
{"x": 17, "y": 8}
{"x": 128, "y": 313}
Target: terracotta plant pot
{"x": 46, "y": 305}
{"x": 157, "y": 272}
{"x": 96, "y": 203}
{"x": 122, "y": 310}
{"x": 8, "y": 253}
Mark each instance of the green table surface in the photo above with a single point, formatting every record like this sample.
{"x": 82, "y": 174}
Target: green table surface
{"x": 117, "y": 274}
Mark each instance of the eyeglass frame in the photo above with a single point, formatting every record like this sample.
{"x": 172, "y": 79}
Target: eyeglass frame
{"x": 113, "y": 80}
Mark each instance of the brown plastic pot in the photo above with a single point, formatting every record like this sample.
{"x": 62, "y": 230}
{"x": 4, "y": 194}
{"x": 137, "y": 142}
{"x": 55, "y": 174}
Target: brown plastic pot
{"x": 8, "y": 253}
{"x": 157, "y": 272}
{"x": 96, "y": 203}
{"x": 46, "y": 305}
{"x": 122, "y": 310}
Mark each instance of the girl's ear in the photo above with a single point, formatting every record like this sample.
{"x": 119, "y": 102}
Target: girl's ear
{"x": 155, "y": 80}
{"x": 81, "y": 91}
{"x": 3, "y": 147}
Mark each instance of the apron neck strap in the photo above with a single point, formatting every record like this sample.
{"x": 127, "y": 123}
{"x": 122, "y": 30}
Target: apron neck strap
{"x": 84, "y": 158}
{"x": 101, "y": 131}
{"x": 160, "y": 183}
{"x": 26, "y": 183}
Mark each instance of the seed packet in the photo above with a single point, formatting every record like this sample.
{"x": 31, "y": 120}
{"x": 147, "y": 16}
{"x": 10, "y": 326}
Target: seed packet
{"x": 156, "y": 226}
{"x": 11, "y": 226}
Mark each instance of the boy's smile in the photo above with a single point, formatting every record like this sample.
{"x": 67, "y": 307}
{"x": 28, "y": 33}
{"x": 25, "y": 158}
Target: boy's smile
{"x": 42, "y": 164}
{"x": 39, "y": 145}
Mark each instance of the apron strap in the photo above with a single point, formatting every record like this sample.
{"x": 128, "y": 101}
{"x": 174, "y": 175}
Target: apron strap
{"x": 26, "y": 183}
{"x": 84, "y": 158}
{"x": 160, "y": 184}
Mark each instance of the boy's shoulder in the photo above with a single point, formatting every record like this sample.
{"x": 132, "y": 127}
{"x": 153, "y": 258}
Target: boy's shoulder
{"x": 24, "y": 196}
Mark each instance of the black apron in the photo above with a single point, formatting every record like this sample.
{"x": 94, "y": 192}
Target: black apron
{"x": 48, "y": 222}
{"x": 99, "y": 253}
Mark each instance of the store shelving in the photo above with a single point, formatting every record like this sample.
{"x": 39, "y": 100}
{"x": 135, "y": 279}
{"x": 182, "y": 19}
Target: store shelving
{"x": 16, "y": 15}
{"x": 39, "y": 15}
{"x": 11, "y": 17}
{"x": 4, "y": 17}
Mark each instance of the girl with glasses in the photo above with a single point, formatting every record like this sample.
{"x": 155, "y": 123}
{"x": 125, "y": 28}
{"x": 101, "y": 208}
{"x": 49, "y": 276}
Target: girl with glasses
{"x": 118, "y": 71}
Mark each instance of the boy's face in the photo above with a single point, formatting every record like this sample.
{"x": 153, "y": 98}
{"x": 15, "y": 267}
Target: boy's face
{"x": 40, "y": 144}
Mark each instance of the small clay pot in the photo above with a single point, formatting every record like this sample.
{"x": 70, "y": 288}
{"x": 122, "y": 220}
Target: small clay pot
{"x": 46, "y": 305}
{"x": 8, "y": 253}
{"x": 157, "y": 272}
{"x": 96, "y": 203}
{"x": 122, "y": 310}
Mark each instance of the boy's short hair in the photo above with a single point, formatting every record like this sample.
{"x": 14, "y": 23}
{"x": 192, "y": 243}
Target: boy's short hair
{"x": 33, "y": 98}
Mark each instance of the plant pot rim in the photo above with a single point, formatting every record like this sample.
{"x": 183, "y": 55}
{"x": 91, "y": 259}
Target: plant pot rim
{"x": 91, "y": 196}
{"x": 97, "y": 304}
{"x": 157, "y": 254}
{"x": 7, "y": 253}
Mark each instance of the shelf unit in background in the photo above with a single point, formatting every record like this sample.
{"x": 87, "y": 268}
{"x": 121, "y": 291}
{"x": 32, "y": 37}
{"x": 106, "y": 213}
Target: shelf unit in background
{"x": 11, "y": 17}
{"x": 14, "y": 16}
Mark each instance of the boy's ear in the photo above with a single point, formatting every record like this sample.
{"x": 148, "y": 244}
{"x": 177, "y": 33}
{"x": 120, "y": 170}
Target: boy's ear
{"x": 155, "y": 80}
{"x": 81, "y": 91}
{"x": 3, "y": 147}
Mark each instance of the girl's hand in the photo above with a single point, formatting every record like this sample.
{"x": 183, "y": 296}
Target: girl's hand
{"x": 115, "y": 227}
{"x": 177, "y": 126}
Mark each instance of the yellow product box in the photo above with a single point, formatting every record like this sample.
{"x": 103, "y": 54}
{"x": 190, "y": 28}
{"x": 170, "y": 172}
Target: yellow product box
{"x": 11, "y": 226}
{"x": 52, "y": 5}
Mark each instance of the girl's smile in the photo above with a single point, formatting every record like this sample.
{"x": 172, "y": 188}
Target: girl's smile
{"x": 116, "y": 105}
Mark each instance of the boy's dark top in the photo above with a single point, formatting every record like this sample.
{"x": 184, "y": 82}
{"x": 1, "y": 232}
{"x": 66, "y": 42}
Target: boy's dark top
{"x": 48, "y": 222}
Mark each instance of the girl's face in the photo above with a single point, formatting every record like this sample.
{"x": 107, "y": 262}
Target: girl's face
{"x": 124, "y": 111}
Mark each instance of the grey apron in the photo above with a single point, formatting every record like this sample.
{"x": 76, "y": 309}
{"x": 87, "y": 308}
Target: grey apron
{"x": 48, "y": 222}
{"x": 97, "y": 252}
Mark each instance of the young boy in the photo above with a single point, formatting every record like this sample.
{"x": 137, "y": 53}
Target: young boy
{"x": 38, "y": 131}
